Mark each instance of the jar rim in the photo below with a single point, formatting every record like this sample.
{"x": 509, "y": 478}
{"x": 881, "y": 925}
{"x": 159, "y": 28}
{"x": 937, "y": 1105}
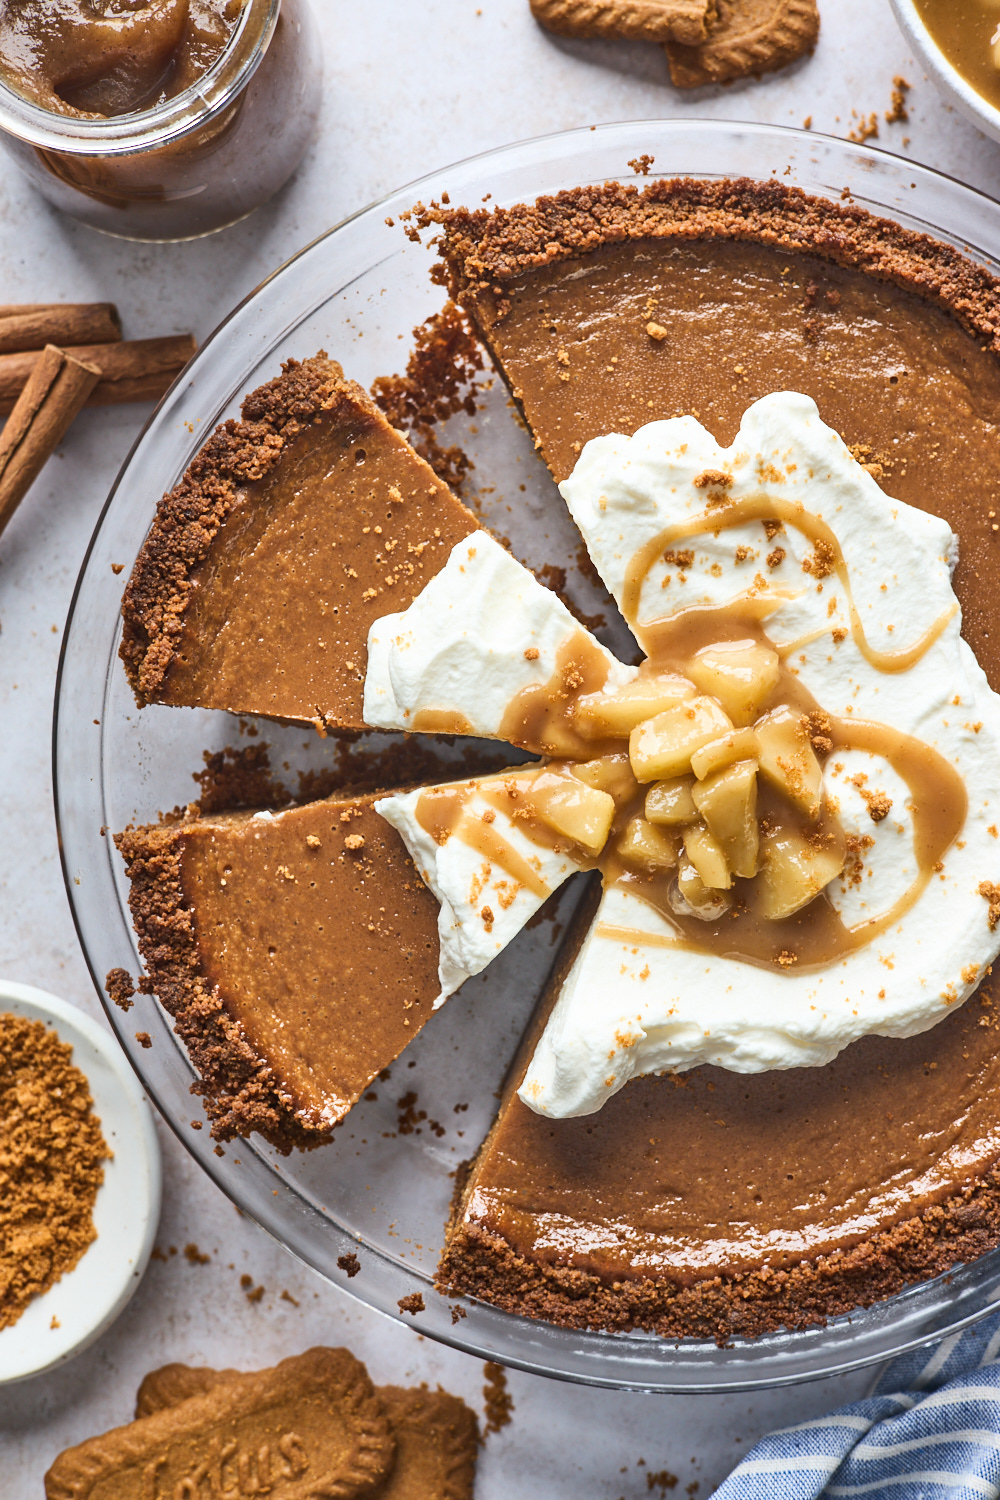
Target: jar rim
{"x": 146, "y": 129}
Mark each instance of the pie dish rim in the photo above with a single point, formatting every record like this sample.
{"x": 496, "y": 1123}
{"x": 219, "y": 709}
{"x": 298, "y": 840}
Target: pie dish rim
{"x": 923, "y": 1313}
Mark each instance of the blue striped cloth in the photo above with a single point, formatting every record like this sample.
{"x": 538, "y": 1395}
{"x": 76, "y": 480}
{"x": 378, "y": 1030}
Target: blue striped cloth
{"x": 930, "y": 1430}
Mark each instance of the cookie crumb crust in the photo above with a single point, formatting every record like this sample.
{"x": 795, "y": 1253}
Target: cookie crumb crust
{"x": 483, "y": 251}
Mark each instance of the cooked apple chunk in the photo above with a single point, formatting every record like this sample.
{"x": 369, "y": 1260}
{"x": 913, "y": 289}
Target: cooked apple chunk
{"x": 583, "y": 813}
{"x": 741, "y": 674}
{"x": 728, "y": 803}
{"x": 708, "y": 857}
{"x": 699, "y": 899}
{"x": 740, "y": 745}
{"x": 793, "y": 872}
{"x": 642, "y": 844}
{"x": 609, "y": 773}
{"x": 663, "y": 746}
{"x": 787, "y": 758}
{"x": 600, "y": 715}
{"x": 670, "y": 802}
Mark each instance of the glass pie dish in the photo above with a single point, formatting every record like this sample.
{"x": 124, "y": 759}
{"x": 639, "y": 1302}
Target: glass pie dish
{"x": 381, "y": 1189}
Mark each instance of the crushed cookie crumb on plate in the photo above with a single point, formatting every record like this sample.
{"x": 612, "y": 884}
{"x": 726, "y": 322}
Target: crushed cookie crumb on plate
{"x": 62, "y": 1321}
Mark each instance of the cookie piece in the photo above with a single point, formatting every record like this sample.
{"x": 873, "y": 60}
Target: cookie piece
{"x": 746, "y": 36}
{"x": 311, "y": 1427}
{"x": 437, "y": 1437}
{"x": 684, "y": 21}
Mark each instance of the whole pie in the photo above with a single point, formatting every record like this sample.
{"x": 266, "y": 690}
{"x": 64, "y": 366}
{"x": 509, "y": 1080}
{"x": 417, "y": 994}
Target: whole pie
{"x": 734, "y": 1192}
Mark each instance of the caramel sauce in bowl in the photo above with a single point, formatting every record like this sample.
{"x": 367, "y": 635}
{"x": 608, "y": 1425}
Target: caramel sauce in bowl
{"x": 952, "y": 42}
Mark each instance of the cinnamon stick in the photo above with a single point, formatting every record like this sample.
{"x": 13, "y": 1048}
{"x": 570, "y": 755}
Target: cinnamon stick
{"x": 138, "y": 370}
{"x": 35, "y": 324}
{"x": 55, "y": 392}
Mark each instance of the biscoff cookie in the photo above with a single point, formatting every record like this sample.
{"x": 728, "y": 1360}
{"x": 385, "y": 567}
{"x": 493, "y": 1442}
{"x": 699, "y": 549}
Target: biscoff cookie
{"x": 684, "y": 21}
{"x": 746, "y": 36}
{"x": 437, "y": 1436}
{"x": 312, "y": 1428}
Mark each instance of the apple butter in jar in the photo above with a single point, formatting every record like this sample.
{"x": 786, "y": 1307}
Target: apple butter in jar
{"x": 157, "y": 119}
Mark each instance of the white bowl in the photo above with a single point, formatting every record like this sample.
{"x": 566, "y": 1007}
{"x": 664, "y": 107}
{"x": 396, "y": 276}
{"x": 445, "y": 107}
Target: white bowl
{"x": 87, "y": 1299}
{"x": 956, "y": 89}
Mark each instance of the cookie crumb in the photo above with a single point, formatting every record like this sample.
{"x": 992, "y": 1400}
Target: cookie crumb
{"x": 991, "y": 892}
{"x": 120, "y": 988}
{"x": 52, "y": 1150}
{"x": 497, "y": 1400}
{"x": 898, "y": 114}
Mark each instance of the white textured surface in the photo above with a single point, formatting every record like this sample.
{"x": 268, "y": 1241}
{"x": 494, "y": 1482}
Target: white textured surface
{"x": 628, "y": 1008}
{"x": 400, "y": 100}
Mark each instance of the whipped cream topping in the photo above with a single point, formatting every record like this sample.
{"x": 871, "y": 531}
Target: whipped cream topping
{"x": 481, "y": 631}
{"x": 482, "y": 906}
{"x": 636, "y": 1000}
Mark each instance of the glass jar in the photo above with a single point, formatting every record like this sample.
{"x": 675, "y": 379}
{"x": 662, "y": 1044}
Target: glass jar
{"x": 194, "y": 163}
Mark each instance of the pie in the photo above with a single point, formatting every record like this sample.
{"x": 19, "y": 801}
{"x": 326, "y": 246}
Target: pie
{"x": 601, "y": 308}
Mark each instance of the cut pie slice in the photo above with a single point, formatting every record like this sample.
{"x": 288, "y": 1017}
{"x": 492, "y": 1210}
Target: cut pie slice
{"x": 297, "y": 952}
{"x": 291, "y": 532}
{"x": 300, "y": 951}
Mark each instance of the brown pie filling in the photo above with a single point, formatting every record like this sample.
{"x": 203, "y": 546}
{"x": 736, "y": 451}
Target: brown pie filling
{"x": 716, "y": 1203}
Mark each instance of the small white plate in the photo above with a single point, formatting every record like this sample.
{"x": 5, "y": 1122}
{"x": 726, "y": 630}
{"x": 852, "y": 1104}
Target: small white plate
{"x": 87, "y": 1300}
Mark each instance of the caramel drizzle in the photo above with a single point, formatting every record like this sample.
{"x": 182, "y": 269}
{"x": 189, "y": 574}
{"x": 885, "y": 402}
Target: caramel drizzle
{"x": 443, "y": 813}
{"x": 818, "y": 934}
{"x": 540, "y": 718}
{"x": 761, "y": 508}
{"x": 440, "y": 721}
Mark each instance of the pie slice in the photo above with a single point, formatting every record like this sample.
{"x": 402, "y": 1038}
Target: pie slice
{"x": 715, "y": 1204}
{"x": 297, "y": 952}
{"x": 291, "y": 532}
{"x": 300, "y": 951}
